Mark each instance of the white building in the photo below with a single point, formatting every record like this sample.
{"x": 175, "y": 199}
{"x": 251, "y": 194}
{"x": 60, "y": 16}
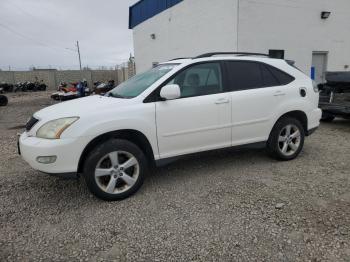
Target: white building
{"x": 299, "y": 30}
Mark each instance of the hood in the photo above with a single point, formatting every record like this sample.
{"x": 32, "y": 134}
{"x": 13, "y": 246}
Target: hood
{"x": 81, "y": 107}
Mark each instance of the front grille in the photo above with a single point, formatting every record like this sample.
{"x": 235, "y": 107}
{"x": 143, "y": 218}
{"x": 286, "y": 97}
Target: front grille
{"x": 32, "y": 121}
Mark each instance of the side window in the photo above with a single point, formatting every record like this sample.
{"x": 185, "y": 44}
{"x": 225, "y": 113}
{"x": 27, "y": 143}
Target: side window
{"x": 199, "y": 80}
{"x": 244, "y": 75}
{"x": 282, "y": 77}
{"x": 268, "y": 78}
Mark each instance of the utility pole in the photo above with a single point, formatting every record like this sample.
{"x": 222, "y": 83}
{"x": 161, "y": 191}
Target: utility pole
{"x": 79, "y": 54}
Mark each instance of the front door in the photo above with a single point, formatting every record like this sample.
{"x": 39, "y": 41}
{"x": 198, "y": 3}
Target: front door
{"x": 201, "y": 119}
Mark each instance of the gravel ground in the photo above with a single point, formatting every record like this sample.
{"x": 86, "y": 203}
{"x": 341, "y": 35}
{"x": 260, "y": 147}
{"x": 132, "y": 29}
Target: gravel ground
{"x": 219, "y": 206}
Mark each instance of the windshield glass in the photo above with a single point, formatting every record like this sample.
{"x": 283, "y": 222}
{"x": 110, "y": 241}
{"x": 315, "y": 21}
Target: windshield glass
{"x": 139, "y": 83}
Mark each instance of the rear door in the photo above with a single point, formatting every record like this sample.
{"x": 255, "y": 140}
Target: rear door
{"x": 257, "y": 92}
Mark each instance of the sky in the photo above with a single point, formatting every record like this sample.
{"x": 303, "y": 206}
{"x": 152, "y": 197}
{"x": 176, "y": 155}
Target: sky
{"x": 43, "y": 33}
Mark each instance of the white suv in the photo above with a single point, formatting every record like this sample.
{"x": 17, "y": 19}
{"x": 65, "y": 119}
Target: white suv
{"x": 180, "y": 107}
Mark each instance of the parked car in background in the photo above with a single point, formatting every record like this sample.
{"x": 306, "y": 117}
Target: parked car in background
{"x": 335, "y": 96}
{"x": 180, "y": 107}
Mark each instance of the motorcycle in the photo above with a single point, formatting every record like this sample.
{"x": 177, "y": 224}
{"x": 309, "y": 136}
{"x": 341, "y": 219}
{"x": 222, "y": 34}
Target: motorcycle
{"x": 41, "y": 86}
{"x": 103, "y": 88}
{"x": 29, "y": 86}
{"x": 20, "y": 86}
{"x": 6, "y": 87}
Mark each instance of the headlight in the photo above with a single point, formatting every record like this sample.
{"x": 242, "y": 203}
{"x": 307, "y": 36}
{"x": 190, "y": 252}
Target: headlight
{"x": 53, "y": 129}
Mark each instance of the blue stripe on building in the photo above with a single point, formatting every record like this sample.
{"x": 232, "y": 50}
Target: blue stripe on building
{"x": 145, "y": 9}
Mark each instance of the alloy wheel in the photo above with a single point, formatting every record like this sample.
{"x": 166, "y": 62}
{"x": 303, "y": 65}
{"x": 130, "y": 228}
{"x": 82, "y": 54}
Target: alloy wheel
{"x": 289, "y": 140}
{"x": 117, "y": 172}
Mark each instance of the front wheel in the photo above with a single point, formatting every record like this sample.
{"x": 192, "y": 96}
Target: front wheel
{"x": 286, "y": 139}
{"x": 115, "y": 170}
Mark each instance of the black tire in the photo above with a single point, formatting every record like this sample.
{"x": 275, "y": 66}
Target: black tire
{"x": 327, "y": 117}
{"x": 101, "y": 153}
{"x": 3, "y": 100}
{"x": 274, "y": 145}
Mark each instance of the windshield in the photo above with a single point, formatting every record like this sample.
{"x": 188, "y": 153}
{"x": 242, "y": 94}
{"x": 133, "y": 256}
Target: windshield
{"x": 139, "y": 83}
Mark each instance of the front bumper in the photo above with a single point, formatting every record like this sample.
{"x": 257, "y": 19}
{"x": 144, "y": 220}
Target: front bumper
{"x": 67, "y": 151}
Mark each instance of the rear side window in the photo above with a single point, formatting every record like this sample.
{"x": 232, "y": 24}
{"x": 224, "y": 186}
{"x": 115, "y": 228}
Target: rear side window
{"x": 282, "y": 77}
{"x": 244, "y": 75}
{"x": 268, "y": 78}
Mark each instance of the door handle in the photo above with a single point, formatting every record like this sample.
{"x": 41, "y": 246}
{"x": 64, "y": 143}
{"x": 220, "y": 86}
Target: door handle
{"x": 222, "y": 101}
{"x": 279, "y": 93}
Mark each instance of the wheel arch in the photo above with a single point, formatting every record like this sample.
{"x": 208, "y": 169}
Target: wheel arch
{"x": 297, "y": 114}
{"x": 131, "y": 135}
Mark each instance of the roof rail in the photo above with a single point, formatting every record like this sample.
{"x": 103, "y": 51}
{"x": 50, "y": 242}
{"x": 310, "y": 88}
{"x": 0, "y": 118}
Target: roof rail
{"x": 180, "y": 58}
{"x": 231, "y": 53}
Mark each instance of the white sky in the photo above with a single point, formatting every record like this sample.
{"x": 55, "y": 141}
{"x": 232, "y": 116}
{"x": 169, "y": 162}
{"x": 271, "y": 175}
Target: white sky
{"x": 37, "y": 33}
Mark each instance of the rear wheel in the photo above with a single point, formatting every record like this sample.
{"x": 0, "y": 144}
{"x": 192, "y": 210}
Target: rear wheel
{"x": 115, "y": 170}
{"x": 286, "y": 139}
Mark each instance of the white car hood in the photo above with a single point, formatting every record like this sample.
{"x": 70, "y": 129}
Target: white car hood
{"x": 81, "y": 107}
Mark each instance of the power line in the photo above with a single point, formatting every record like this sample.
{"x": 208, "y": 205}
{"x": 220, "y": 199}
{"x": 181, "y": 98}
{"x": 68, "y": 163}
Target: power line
{"x": 31, "y": 39}
{"x": 33, "y": 17}
{"x": 17, "y": 7}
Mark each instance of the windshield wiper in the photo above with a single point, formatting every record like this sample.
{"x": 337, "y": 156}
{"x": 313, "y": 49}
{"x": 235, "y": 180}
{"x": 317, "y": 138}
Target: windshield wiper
{"x": 115, "y": 95}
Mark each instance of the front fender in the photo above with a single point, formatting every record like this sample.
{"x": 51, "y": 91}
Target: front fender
{"x": 140, "y": 118}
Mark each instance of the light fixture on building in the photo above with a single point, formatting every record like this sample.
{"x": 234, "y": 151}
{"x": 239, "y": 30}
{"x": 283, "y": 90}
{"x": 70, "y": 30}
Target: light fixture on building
{"x": 153, "y": 36}
{"x": 325, "y": 14}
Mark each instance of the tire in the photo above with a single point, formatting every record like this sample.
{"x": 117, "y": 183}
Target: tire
{"x": 106, "y": 170}
{"x": 327, "y": 117}
{"x": 3, "y": 100}
{"x": 286, "y": 145}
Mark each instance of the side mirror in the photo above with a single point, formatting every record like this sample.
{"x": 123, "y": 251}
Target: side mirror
{"x": 170, "y": 92}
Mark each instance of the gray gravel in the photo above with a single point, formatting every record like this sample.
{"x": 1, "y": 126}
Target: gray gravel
{"x": 219, "y": 206}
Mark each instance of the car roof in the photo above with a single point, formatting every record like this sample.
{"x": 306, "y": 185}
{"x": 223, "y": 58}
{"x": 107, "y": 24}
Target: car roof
{"x": 281, "y": 64}
{"x": 263, "y": 59}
